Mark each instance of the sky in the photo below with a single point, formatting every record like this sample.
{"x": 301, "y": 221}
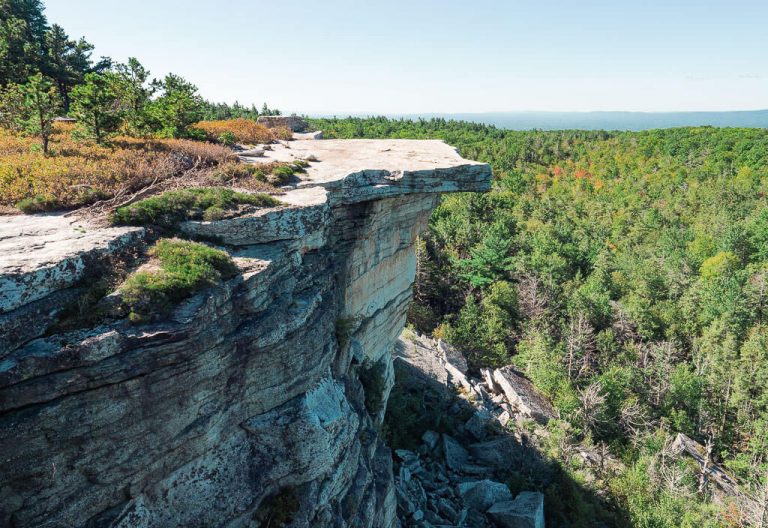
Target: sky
{"x": 443, "y": 56}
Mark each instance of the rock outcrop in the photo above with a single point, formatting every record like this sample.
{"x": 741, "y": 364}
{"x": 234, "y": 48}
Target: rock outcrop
{"x": 256, "y": 402}
{"x": 295, "y": 123}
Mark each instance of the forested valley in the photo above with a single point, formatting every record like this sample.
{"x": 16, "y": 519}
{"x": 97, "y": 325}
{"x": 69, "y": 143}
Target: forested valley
{"x": 626, "y": 274}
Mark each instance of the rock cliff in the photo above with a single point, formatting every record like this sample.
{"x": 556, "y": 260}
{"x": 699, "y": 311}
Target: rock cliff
{"x": 254, "y": 403}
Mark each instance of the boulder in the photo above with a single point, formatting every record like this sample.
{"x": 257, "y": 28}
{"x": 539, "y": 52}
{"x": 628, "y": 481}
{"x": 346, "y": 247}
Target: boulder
{"x": 498, "y": 453}
{"x": 309, "y": 135}
{"x": 482, "y": 494}
{"x": 455, "y": 455}
{"x": 295, "y": 123}
{"x": 430, "y": 439}
{"x": 522, "y": 394}
{"x": 453, "y": 356}
{"x": 477, "y": 425}
{"x": 526, "y": 511}
{"x": 252, "y": 153}
{"x": 487, "y": 375}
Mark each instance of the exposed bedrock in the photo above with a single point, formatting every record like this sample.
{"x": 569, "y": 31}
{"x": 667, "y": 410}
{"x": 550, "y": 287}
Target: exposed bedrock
{"x": 255, "y": 402}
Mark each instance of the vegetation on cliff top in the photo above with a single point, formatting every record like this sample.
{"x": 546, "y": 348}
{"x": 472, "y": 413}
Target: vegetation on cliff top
{"x": 172, "y": 207}
{"x": 626, "y": 274}
{"x": 130, "y": 131}
{"x": 182, "y": 268}
{"x": 247, "y": 131}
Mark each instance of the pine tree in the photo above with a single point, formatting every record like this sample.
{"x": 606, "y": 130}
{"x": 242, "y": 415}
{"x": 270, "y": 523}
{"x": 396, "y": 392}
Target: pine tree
{"x": 94, "y": 104}
{"x": 31, "y": 108}
{"x": 67, "y": 61}
{"x": 22, "y": 40}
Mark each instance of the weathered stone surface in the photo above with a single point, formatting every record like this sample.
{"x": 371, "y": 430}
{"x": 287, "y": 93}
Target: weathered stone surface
{"x": 526, "y": 511}
{"x": 478, "y": 424}
{"x": 455, "y": 455}
{"x": 295, "y": 123}
{"x": 482, "y": 494}
{"x": 42, "y": 254}
{"x": 521, "y": 393}
{"x": 248, "y": 390}
{"x": 305, "y": 224}
{"x": 498, "y": 453}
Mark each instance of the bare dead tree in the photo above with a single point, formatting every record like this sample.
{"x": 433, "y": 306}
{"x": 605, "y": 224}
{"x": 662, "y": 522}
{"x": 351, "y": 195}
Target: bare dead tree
{"x": 634, "y": 419}
{"x": 623, "y": 326}
{"x": 532, "y": 297}
{"x": 580, "y": 347}
{"x": 707, "y": 462}
{"x": 592, "y": 401}
{"x": 663, "y": 355}
{"x": 758, "y": 284}
{"x": 667, "y": 473}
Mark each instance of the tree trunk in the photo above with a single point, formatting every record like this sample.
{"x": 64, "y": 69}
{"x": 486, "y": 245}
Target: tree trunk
{"x": 64, "y": 93}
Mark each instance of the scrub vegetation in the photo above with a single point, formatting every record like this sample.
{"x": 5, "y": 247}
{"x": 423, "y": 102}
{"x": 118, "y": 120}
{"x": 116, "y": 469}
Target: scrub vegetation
{"x": 178, "y": 269}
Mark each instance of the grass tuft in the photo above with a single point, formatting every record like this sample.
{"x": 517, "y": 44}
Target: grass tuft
{"x": 184, "y": 268}
{"x": 172, "y": 207}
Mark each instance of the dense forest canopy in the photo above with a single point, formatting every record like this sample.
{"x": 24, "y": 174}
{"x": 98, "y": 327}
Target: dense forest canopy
{"x": 626, "y": 273}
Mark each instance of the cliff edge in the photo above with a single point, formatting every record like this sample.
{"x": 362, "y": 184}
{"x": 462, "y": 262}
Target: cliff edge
{"x": 254, "y": 403}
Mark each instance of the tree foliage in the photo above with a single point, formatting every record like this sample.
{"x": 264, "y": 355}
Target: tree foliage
{"x": 627, "y": 274}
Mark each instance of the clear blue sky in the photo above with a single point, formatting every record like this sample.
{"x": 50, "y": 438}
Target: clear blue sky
{"x": 396, "y": 56}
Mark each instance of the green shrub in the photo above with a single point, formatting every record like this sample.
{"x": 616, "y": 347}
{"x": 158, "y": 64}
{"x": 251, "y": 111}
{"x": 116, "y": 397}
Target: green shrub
{"x": 281, "y": 174}
{"x": 279, "y": 509}
{"x": 227, "y": 138}
{"x": 184, "y": 268}
{"x": 38, "y": 204}
{"x": 172, "y": 207}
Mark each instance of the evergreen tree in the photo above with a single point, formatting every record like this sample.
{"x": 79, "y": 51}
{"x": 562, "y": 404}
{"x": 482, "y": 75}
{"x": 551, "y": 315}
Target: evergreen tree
{"x": 31, "y": 108}
{"x": 22, "y": 40}
{"x": 134, "y": 95}
{"x": 178, "y": 106}
{"x": 95, "y": 105}
{"x": 67, "y": 61}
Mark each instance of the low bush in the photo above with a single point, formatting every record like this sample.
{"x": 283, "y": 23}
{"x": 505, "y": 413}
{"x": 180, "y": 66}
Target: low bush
{"x": 282, "y": 133}
{"x": 38, "y": 204}
{"x": 230, "y": 131}
{"x": 248, "y": 174}
{"x": 172, "y": 207}
{"x": 183, "y": 268}
{"x": 74, "y": 174}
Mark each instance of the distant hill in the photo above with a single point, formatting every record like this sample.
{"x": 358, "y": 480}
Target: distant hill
{"x": 608, "y": 120}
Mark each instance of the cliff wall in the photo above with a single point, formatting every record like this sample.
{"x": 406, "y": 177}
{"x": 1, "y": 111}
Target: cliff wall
{"x": 254, "y": 403}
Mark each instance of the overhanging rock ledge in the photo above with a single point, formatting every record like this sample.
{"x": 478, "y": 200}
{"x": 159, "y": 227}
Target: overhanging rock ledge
{"x": 247, "y": 401}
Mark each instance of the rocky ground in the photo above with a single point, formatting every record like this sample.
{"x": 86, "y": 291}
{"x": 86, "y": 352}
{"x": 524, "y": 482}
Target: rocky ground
{"x": 462, "y": 478}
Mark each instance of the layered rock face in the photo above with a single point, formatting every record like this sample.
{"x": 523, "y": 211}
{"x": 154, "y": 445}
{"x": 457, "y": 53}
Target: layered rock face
{"x": 256, "y": 402}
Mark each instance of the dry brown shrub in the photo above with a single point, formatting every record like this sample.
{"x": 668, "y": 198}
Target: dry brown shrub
{"x": 243, "y": 130}
{"x": 283, "y": 133}
{"x": 77, "y": 173}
